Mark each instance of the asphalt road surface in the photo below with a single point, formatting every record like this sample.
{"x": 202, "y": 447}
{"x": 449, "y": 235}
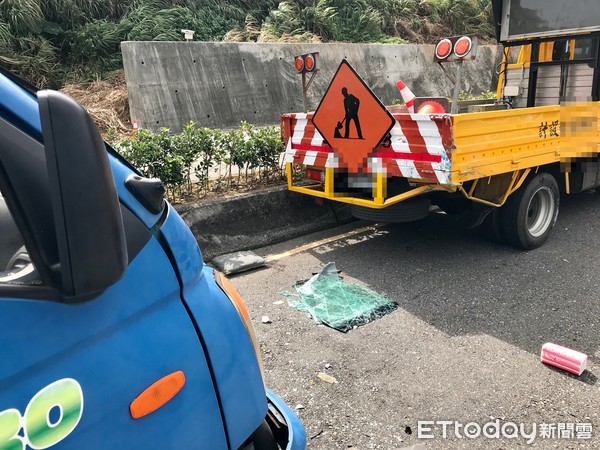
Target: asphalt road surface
{"x": 463, "y": 346}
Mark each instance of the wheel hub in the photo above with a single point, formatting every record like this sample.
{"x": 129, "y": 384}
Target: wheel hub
{"x": 540, "y": 211}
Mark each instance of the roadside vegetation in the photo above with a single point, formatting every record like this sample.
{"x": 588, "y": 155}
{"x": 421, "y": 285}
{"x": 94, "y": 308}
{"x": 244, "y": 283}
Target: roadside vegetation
{"x": 51, "y": 42}
{"x": 467, "y": 96}
{"x": 200, "y": 161}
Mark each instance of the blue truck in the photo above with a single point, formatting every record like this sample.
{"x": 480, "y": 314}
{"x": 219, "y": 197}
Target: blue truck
{"x": 114, "y": 334}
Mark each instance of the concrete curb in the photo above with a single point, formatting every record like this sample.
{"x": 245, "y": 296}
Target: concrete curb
{"x": 257, "y": 219}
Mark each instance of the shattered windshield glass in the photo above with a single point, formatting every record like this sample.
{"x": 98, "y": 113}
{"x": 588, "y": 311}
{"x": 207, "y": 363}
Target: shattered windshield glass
{"x": 342, "y": 306}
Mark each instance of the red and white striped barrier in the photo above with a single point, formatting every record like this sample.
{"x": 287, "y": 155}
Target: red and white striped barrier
{"x": 306, "y": 145}
{"x": 419, "y": 147}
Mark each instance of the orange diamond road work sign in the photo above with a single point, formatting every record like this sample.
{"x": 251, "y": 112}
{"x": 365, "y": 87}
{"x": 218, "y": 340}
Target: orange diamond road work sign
{"x": 352, "y": 119}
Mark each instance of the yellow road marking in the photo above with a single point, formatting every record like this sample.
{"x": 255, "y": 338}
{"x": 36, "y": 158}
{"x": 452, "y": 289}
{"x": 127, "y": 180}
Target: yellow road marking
{"x": 318, "y": 243}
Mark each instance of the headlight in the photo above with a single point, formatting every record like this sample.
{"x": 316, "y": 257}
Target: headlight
{"x": 242, "y": 311}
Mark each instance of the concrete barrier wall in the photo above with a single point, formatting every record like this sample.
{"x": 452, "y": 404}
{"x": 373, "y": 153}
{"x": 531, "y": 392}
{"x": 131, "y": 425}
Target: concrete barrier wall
{"x": 220, "y": 84}
{"x": 257, "y": 219}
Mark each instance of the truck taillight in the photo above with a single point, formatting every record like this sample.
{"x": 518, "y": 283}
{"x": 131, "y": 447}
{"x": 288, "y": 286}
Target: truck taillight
{"x": 315, "y": 174}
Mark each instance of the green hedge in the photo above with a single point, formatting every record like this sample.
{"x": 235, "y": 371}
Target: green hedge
{"x": 200, "y": 159}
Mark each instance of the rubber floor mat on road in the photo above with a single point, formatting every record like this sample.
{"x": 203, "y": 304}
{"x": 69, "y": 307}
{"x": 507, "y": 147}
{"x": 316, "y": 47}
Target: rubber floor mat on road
{"x": 342, "y": 306}
{"x": 238, "y": 262}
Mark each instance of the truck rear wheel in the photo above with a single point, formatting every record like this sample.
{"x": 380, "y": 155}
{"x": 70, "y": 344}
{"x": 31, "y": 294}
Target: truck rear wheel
{"x": 528, "y": 216}
{"x": 409, "y": 210}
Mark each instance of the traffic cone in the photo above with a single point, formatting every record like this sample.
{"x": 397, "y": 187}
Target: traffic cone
{"x": 407, "y": 96}
{"x": 135, "y": 128}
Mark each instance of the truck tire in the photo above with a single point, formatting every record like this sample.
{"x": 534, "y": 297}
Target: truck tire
{"x": 262, "y": 439}
{"x": 409, "y": 210}
{"x": 528, "y": 216}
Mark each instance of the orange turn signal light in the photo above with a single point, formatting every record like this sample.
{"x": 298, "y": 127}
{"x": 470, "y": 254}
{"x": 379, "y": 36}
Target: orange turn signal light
{"x": 157, "y": 394}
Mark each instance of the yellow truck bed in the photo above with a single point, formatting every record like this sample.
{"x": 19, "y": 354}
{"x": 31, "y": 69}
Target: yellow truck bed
{"x": 496, "y": 142}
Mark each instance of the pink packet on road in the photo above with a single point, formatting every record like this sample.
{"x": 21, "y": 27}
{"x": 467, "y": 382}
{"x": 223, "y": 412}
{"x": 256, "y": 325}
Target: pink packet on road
{"x": 564, "y": 358}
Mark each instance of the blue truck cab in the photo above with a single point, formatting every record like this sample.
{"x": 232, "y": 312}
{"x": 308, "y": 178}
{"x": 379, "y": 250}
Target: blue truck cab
{"x": 114, "y": 334}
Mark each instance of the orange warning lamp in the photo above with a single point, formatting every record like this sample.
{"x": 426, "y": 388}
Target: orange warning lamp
{"x": 443, "y": 49}
{"x": 463, "y": 46}
{"x": 431, "y": 105}
{"x": 309, "y": 63}
{"x": 456, "y": 49}
{"x": 306, "y": 63}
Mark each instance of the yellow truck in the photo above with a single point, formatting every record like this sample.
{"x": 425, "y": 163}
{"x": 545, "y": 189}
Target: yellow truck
{"x": 507, "y": 166}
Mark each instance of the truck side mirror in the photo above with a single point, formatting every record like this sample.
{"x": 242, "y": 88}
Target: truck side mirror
{"x": 89, "y": 226}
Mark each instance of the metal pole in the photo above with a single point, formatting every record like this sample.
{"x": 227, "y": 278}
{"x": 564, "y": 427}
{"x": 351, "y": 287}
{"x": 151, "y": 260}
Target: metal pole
{"x": 304, "y": 91}
{"x": 454, "y": 109}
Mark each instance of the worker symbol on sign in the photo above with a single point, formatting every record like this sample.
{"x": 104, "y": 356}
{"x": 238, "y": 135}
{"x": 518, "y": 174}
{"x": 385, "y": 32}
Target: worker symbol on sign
{"x": 351, "y": 105}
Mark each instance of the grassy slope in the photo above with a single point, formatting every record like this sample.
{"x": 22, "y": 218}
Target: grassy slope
{"x": 53, "y": 41}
